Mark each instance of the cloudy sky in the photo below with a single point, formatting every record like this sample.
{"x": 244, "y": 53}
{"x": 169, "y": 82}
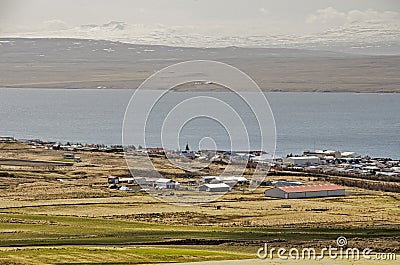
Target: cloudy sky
{"x": 191, "y": 20}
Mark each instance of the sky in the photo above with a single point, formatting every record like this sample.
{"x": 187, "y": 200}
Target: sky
{"x": 165, "y": 19}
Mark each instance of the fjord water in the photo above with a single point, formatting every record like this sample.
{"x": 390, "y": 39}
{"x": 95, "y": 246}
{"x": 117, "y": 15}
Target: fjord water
{"x": 361, "y": 122}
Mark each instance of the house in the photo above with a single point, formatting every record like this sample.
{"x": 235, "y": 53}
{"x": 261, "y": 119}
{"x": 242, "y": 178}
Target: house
{"x": 219, "y": 187}
{"x": 164, "y": 183}
{"x": 232, "y": 180}
{"x": 207, "y": 179}
{"x": 155, "y": 151}
{"x": 113, "y": 180}
{"x": 7, "y": 139}
{"x": 224, "y": 179}
{"x": 126, "y": 180}
{"x": 305, "y": 191}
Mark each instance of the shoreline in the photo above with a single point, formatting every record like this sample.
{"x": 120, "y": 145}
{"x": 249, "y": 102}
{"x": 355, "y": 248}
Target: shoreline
{"x": 82, "y": 146}
{"x": 206, "y": 90}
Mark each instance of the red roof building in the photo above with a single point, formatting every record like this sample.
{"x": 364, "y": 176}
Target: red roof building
{"x": 305, "y": 191}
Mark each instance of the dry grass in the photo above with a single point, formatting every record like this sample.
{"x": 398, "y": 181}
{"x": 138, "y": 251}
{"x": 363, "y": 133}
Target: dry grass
{"x": 84, "y": 192}
{"x": 32, "y": 196}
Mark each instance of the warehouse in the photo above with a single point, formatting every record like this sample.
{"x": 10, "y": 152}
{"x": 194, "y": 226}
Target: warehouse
{"x": 303, "y": 160}
{"x": 219, "y": 187}
{"x": 305, "y": 191}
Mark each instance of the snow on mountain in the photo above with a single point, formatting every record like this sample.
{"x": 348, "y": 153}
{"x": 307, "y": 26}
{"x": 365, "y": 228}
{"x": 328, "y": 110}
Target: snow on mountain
{"x": 373, "y": 37}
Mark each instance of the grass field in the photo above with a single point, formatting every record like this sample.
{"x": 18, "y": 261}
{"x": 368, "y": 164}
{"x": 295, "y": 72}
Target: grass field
{"x": 38, "y": 239}
{"x": 115, "y": 255}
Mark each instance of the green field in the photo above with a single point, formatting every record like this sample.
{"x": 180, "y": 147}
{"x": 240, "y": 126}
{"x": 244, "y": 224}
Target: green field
{"x": 96, "y": 255}
{"x": 38, "y": 239}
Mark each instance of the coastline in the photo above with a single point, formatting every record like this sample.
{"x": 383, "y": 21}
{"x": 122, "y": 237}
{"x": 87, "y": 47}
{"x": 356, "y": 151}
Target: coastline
{"x": 104, "y": 109}
{"x": 208, "y": 90}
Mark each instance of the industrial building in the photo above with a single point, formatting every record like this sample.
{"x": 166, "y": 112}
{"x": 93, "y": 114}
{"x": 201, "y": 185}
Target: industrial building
{"x": 305, "y": 191}
{"x": 303, "y": 160}
{"x": 219, "y": 187}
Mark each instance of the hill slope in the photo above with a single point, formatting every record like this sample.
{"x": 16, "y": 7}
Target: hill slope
{"x": 78, "y": 63}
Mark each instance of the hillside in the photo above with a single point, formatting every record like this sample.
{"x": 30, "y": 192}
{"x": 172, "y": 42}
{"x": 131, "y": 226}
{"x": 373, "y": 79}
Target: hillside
{"x": 78, "y": 63}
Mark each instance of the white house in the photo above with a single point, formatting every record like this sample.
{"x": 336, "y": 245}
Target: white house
{"x": 238, "y": 180}
{"x": 126, "y": 180}
{"x": 164, "y": 183}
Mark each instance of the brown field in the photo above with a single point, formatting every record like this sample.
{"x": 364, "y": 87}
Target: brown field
{"x": 42, "y": 205}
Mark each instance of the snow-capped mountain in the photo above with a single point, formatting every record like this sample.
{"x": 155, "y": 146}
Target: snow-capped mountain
{"x": 363, "y": 38}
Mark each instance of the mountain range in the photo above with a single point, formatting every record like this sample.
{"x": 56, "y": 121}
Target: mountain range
{"x": 92, "y": 63}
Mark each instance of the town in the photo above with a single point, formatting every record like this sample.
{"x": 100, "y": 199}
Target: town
{"x": 331, "y": 170}
{"x": 90, "y": 193}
